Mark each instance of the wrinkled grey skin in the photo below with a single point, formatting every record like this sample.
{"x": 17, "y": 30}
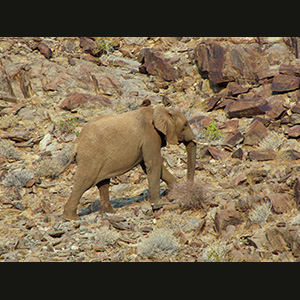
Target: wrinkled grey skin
{"x": 111, "y": 145}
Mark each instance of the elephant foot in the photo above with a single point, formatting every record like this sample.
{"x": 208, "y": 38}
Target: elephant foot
{"x": 70, "y": 216}
{"x": 156, "y": 206}
{"x": 107, "y": 210}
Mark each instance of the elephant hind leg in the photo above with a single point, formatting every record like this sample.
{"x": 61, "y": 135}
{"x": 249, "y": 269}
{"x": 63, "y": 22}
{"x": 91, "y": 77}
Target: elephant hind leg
{"x": 105, "y": 204}
{"x": 81, "y": 184}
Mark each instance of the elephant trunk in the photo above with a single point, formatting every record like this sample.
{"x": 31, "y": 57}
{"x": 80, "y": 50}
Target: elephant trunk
{"x": 191, "y": 160}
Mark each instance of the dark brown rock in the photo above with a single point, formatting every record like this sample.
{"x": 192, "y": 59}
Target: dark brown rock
{"x": 277, "y": 110}
{"x": 234, "y": 138}
{"x": 246, "y": 108}
{"x": 154, "y": 63}
{"x": 279, "y": 239}
{"x": 230, "y": 125}
{"x": 279, "y": 202}
{"x": 238, "y": 153}
{"x": 202, "y": 120}
{"x": 212, "y": 102}
{"x": 290, "y": 69}
{"x": 294, "y": 131}
{"x": 223, "y": 218}
{"x": 262, "y": 155}
{"x": 210, "y": 60}
{"x": 45, "y": 50}
{"x": 255, "y": 133}
{"x": 236, "y": 89}
{"x": 240, "y": 179}
{"x": 217, "y": 154}
{"x": 223, "y": 63}
{"x": 285, "y": 83}
{"x": 76, "y": 99}
{"x": 90, "y": 46}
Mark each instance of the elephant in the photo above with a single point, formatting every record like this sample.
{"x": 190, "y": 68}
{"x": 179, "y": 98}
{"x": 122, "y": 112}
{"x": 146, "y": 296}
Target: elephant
{"x": 111, "y": 145}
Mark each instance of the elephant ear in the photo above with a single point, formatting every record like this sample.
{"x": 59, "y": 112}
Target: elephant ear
{"x": 164, "y": 121}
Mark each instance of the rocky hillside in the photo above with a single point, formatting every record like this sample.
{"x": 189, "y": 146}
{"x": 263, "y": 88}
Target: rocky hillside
{"x": 241, "y": 96}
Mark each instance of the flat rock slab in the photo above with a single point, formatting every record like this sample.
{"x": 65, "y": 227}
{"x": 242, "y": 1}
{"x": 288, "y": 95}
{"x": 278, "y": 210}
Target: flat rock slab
{"x": 76, "y": 99}
{"x": 255, "y": 133}
{"x": 285, "y": 83}
{"x": 294, "y": 131}
{"x": 246, "y": 108}
{"x": 262, "y": 155}
{"x": 154, "y": 63}
{"x": 217, "y": 154}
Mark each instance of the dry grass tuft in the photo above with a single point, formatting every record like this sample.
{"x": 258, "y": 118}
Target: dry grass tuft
{"x": 8, "y": 150}
{"x": 190, "y": 196}
{"x": 160, "y": 241}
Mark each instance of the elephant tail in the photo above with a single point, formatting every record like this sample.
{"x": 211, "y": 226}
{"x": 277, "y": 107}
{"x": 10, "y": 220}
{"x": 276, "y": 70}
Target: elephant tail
{"x": 72, "y": 156}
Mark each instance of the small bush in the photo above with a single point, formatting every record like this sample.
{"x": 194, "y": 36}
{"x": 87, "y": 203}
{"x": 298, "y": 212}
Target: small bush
{"x": 190, "y": 196}
{"x": 217, "y": 252}
{"x": 106, "y": 237}
{"x": 273, "y": 141}
{"x": 260, "y": 213}
{"x": 212, "y": 131}
{"x": 8, "y": 150}
{"x": 160, "y": 241}
{"x": 17, "y": 178}
{"x": 67, "y": 126}
{"x": 48, "y": 167}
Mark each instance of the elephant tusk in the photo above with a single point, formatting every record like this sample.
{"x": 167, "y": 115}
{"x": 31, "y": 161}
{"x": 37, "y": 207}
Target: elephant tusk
{"x": 199, "y": 143}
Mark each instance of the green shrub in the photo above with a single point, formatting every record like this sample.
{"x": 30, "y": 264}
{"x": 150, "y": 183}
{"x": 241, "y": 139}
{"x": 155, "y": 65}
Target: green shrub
{"x": 212, "y": 131}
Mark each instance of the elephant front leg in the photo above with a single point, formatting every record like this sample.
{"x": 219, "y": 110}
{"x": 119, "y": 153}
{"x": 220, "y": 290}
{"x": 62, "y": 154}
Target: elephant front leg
{"x": 154, "y": 174}
{"x": 105, "y": 204}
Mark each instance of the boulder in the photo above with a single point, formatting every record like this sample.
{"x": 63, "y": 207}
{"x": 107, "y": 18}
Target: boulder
{"x": 246, "y": 108}
{"x": 223, "y": 63}
{"x": 234, "y": 138}
{"x": 280, "y": 202}
{"x": 279, "y": 239}
{"x": 238, "y": 153}
{"x": 45, "y": 50}
{"x": 262, "y": 155}
{"x": 294, "y": 132}
{"x": 255, "y": 133}
{"x": 154, "y": 63}
{"x": 210, "y": 60}
{"x": 217, "y": 154}
{"x": 277, "y": 110}
{"x": 90, "y": 46}
{"x": 290, "y": 69}
{"x": 285, "y": 83}
{"x": 223, "y": 218}
{"x": 236, "y": 89}
{"x": 76, "y": 99}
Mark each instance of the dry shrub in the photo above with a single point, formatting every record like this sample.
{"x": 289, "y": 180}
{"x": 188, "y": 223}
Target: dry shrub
{"x": 160, "y": 241}
{"x": 8, "y": 150}
{"x": 18, "y": 178}
{"x": 191, "y": 196}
